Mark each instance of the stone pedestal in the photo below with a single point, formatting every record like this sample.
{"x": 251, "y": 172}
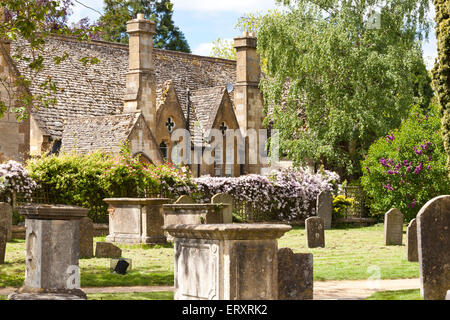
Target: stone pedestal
{"x": 52, "y": 235}
{"x": 136, "y": 220}
{"x": 86, "y": 245}
{"x": 193, "y": 213}
{"x": 433, "y": 238}
{"x": 226, "y": 261}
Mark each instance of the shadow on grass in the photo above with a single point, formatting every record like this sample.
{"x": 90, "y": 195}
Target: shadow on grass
{"x": 132, "y": 296}
{"x": 105, "y": 278}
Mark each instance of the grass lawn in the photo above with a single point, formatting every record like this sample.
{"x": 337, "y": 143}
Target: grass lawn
{"x": 132, "y": 296}
{"x": 396, "y": 295}
{"x": 348, "y": 254}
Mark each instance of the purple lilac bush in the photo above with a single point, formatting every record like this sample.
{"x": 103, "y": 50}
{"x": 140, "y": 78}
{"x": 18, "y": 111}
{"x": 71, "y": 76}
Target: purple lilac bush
{"x": 286, "y": 195}
{"x": 14, "y": 178}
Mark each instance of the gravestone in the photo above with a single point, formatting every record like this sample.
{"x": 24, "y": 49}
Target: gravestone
{"x": 325, "y": 207}
{"x": 86, "y": 245}
{"x": 52, "y": 270}
{"x": 226, "y": 261}
{"x": 412, "y": 253}
{"x": 3, "y": 234}
{"x": 447, "y": 297}
{"x": 393, "y": 227}
{"x": 315, "y": 234}
{"x": 6, "y": 214}
{"x": 295, "y": 275}
{"x": 136, "y": 220}
{"x": 227, "y": 200}
{"x": 433, "y": 237}
{"x": 107, "y": 250}
{"x": 184, "y": 200}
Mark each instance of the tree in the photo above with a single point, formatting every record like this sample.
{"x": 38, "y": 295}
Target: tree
{"x": 224, "y": 49}
{"x": 338, "y": 79}
{"x": 33, "y": 21}
{"x": 441, "y": 71}
{"x": 118, "y": 12}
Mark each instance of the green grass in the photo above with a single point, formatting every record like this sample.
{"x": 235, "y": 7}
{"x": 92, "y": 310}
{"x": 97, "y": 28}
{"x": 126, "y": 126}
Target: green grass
{"x": 396, "y": 295}
{"x": 3, "y": 297}
{"x": 348, "y": 254}
{"x": 132, "y": 296}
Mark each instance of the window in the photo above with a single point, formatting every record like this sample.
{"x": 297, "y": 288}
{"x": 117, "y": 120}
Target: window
{"x": 218, "y": 160}
{"x": 164, "y": 150}
{"x": 170, "y": 124}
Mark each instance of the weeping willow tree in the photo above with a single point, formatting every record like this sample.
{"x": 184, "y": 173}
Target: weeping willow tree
{"x": 441, "y": 72}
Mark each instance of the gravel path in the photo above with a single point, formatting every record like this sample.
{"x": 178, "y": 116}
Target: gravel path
{"x": 323, "y": 290}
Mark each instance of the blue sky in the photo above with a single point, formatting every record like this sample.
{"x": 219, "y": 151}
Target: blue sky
{"x": 203, "y": 21}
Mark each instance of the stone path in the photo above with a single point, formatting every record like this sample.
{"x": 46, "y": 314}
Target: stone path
{"x": 323, "y": 290}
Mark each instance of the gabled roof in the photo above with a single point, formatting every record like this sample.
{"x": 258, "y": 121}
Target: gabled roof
{"x": 98, "y": 90}
{"x": 206, "y": 103}
{"x": 105, "y": 133}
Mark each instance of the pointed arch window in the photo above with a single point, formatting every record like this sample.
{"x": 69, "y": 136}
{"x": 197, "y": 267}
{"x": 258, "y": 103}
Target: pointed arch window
{"x": 164, "y": 150}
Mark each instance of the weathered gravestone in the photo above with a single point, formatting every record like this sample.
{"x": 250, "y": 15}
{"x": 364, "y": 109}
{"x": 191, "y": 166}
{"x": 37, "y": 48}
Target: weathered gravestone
{"x": 412, "y": 253}
{"x": 184, "y": 199}
{"x": 433, "y": 236}
{"x": 6, "y": 214}
{"x": 393, "y": 227}
{"x": 86, "y": 245}
{"x": 315, "y": 234}
{"x": 136, "y": 220}
{"x": 3, "y": 234}
{"x": 295, "y": 275}
{"x": 227, "y": 201}
{"x": 447, "y": 297}
{"x": 52, "y": 271}
{"x": 226, "y": 261}
{"x": 107, "y": 250}
{"x": 325, "y": 207}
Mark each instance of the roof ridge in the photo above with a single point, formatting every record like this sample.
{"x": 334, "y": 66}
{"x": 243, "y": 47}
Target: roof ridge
{"x": 126, "y": 46}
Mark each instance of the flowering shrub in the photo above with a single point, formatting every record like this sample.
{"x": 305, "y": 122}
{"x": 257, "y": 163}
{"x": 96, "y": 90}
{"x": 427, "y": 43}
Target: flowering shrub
{"x": 407, "y": 168}
{"x": 85, "y": 180}
{"x": 340, "y": 204}
{"x": 14, "y": 178}
{"x": 288, "y": 194}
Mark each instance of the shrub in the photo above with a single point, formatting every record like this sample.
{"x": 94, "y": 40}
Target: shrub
{"x": 407, "y": 167}
{"x": 14, "y": 178}
{"x": 340, "y": 204}
{"x": 74, "y": 179}
{"x": 284, "y": 195}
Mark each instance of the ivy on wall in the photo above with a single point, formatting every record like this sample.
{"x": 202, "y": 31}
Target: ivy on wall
{"x": 441, "y": 72}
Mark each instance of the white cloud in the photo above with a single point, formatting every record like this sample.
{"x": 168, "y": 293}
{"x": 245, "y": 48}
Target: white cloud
{"x": 203, "y": 49}
{"x": 239, "y": 6}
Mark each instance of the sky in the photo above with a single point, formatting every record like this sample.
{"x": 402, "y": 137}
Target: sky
{"x": 204, "y": 21}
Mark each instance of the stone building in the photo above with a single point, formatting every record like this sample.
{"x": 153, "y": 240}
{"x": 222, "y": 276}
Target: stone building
{"x": 135, "y": 94}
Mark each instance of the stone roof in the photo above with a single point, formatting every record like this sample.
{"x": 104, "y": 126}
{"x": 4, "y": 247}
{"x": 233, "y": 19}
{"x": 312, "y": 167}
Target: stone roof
{"x": 106, "y": 133}
{"x": 206, "y": 103}
{"x": 98, "y": 89}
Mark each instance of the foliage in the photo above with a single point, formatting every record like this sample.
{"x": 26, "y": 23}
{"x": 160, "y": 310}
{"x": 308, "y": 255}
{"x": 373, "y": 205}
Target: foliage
{"x": 34, "y": 21}
{"x": 118, "y": 12}
{"x": 340, "y": 205}
{"x": 283, "y": 194}
{"x": 73, "y": 179}
{"x": 14, "y": 178}
{"x": 441, "y": 71}
{"x": 85, "y": 180}
{"x": 224, "y": 49}
{"x": 336, "y": 83}
{"x": 407, "y": 168}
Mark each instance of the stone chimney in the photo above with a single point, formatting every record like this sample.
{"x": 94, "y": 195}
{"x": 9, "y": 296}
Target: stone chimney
{"x": 140, "y": 93}
{"x": 247, "y": 96}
